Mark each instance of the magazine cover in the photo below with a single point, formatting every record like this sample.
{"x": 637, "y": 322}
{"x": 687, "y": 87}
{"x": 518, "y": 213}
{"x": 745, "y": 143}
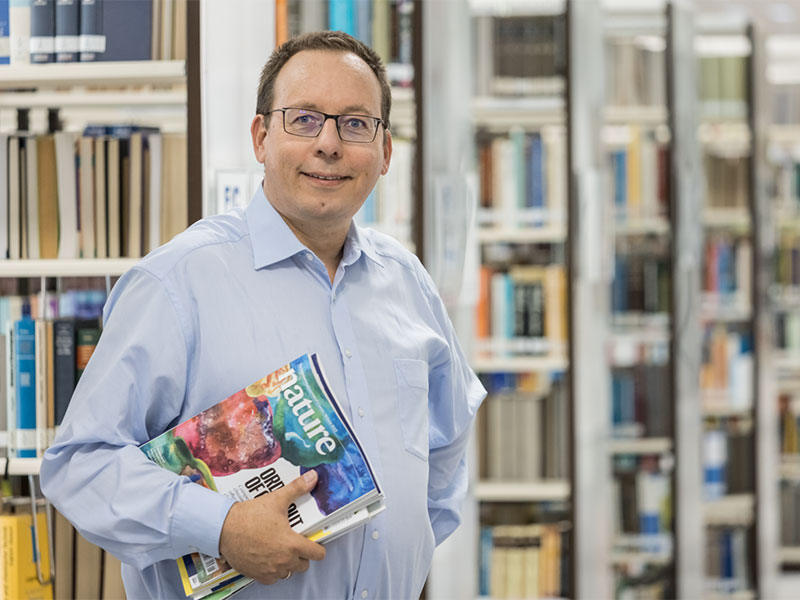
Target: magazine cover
{"x": 260, "y": 439}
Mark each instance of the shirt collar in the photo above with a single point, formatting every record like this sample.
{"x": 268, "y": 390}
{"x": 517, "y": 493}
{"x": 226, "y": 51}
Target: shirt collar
{"x": 273, "y": 241}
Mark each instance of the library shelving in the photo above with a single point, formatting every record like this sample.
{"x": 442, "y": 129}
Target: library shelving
{"x": 520, "y": 349}
{"x": 636, "y": 141}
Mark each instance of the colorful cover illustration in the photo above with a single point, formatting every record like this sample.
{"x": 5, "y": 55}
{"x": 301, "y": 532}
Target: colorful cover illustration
{"x": 260, "y": 439}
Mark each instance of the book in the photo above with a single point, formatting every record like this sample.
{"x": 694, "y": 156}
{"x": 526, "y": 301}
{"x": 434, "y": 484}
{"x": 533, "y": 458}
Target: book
{"x": 43, "y": 31}
{"x": 4, "y": 197}
{"x": 48, "y": 196}
{"x": 67, "y": 30}
{"x": 25, "y": 383}
{"x": 21, "y": 551}
{"x": 91, "y": 42}
{"x": 263, "y": 437}
{"x": 67, "y": 195}
{"x": 19, "y": 19}
{"x": 127, "y": 26}
{"x": 63, "y": 365}
{"x": 5, "y": 33}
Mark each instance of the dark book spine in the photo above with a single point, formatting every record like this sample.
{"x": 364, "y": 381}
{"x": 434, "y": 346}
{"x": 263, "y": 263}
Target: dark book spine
{"x": 63, "y": 365}
{"x": 92, "y": 42}
{"x": 67, "y": 30}
{"x": 43, "y": 31}
{"x": 87, "y": 334}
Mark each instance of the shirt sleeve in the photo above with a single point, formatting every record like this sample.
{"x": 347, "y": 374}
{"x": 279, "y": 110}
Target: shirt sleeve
{"x": 454, "y": 398}
{"x": 132, "y": 390}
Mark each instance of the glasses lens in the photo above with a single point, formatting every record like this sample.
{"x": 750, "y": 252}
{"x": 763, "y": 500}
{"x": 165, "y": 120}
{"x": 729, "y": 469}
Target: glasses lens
{"x": 303, "y": 122}
{"x": 357, "y": 128}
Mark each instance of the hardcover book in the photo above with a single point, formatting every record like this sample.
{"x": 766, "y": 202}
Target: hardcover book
{"x": 260, "y": 439}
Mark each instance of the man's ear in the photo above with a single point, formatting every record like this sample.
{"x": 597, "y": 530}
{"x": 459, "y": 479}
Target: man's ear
{"x": 258, "y": 131}
{"x": 387, "y": 152}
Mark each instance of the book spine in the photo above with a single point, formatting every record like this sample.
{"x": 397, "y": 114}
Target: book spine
{"x": 91, "y": 42}
{"x": 5, "y": 35}
{"x": 63, "y": 365}
{"x": 43, "y": 31}
{"x": 67, "y": 30}
{"x": 25, "y": 379}
{"x": 20, "y": 31}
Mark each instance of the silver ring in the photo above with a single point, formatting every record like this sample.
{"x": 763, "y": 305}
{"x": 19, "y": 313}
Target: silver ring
{"x": 289, "y": 574}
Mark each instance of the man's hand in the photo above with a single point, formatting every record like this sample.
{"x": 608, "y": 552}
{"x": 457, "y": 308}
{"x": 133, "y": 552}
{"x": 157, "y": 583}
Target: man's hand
{"x": 257, "y": 540}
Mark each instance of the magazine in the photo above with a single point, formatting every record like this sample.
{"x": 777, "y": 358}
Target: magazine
{"x": 260, "y": 439}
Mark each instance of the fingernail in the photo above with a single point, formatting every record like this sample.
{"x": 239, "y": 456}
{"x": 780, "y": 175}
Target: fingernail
{"x": 310, "y": 476}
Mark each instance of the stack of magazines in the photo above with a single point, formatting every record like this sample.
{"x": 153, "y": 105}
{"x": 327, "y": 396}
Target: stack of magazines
{"x": 260, "y": 439}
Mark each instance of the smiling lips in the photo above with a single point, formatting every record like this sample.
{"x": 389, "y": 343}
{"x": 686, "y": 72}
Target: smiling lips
{"x": 321, "y": 177}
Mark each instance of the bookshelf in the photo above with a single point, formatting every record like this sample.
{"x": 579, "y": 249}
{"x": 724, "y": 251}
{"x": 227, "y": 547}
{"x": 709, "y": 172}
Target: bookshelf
{"x": 729, "y": 372}
{"x": 520, "y": 348}
{"x": 636, "y": 142}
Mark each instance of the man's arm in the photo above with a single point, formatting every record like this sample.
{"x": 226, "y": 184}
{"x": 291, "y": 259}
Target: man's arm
{"x": 131, "y": 391}
{"x": 455, "y": 394}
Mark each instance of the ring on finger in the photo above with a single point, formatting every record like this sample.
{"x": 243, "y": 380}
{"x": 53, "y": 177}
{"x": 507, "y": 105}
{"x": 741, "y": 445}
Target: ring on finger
{"x": 289, "y": 574}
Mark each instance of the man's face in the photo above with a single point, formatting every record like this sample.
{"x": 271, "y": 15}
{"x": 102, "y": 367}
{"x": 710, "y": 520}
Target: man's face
{"x": 320, "y": 181}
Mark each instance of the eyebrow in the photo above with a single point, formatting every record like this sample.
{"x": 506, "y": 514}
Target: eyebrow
{"x": 353, "y": 109}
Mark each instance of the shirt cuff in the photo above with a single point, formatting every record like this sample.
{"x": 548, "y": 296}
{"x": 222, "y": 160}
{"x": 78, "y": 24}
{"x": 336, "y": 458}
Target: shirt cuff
{"x": 197, "y": 524}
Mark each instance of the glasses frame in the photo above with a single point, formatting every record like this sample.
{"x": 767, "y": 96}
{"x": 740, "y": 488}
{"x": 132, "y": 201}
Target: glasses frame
{"x": 378, "y": 122}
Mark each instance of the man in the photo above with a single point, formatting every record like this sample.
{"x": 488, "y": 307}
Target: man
{"x": 234, "y": 297}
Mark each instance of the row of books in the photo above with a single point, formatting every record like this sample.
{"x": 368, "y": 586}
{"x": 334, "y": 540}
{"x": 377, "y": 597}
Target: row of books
{"x": 722, "y": 84}
{"x": 789, "y": 498}
{"x": 785, "y": 176}
{"x": 727, "y": 181}
{"x": 44, "y": 31}
{"x": 787, "y": 260}
{"x": 728, "y": 266}
{"x": 522, "y": 428}
{"x": 642, "y": 494}
{"x": 388, "y": 207}
{"x": 42, "y": 362}
{"x": 523, "y": 177}
{"x": 636, "y": 579}
{"x": 726, "y": 369}
{"x": 523, "y": 561}
{"x": 113, "y": 191}
{"x": 522, "y": 311}
{"x": 787, "y": 332}
{"x": 789, "y": 424}
{"x": 728, "y": 560}
{"x": 728, "y": 462}
{"x": 385, "y": 25}
{"x": 635, "y": 71}
{"x": 640, "y": 176}
{"x": 641, "y": 401}
{"x": 641, "y": 282}
{"x": 515, "y": 55}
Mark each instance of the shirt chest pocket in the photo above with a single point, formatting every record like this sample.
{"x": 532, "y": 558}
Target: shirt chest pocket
{"x": 412, "y": 404}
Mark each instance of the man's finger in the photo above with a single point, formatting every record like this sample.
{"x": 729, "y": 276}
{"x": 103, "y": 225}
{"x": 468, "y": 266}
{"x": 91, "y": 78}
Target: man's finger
{"x": 291, "y": 492}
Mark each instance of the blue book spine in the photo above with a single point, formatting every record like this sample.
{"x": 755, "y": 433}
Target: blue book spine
{"x": 25, "y": 380}
{"x": 619, "y": 289}
{"x": 341, "y": 16}
{"x": 91, "y": 42}
{"x": 484, "y": 574}
{"x": 67, "y": 30}
{"x": 43, "y": 31}
{"x": 127, "y": 29}
{"x": 536, "y": 177}
{"x": 620, "y": 160}
{"x": 616, "y": 399}
{"x": 5, "y": 35}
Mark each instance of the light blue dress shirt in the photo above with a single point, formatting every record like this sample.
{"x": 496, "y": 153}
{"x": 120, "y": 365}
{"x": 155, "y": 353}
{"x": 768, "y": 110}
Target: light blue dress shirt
{"x": 227, "y": 301}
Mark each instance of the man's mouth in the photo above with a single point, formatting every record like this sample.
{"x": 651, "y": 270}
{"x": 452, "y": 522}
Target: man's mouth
{"x": 327, "y": 177}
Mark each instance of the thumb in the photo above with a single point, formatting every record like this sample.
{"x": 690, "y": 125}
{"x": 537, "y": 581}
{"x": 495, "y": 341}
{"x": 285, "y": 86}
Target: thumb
{"x": 299, "y": 486}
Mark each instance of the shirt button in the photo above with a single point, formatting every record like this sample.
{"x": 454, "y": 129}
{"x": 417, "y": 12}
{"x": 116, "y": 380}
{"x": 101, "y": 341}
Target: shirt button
{"x": 309, "y": 256}
{"x": 334, "y": 296}
{"x": 375, "y": 535}
{"x": 364, "y": 593}
{"x": 348, "y": 354}
{"x": 361, "y": 412}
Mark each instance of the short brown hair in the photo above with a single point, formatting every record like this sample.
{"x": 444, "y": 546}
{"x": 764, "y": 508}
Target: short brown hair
{"x": 321, "y": 40}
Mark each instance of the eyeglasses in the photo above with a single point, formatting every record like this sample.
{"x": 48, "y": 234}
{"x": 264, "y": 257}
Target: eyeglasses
{"x": 308, "y": 123}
